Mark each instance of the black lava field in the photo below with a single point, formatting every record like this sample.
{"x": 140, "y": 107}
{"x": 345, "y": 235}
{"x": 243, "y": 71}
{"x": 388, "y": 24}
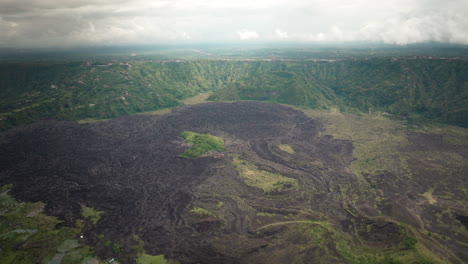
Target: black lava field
{"x": 130, "y": 168}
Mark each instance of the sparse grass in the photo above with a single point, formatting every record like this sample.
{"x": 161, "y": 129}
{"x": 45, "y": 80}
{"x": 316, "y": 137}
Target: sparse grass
{"x": 408, "y": 251}
{"x": 219, "y": 205}
{"x": 429, "y": 197}
{"x": 201, "y": 144}
{"x": 88, "y": 212}
{"x": 158, "y": 112}
{"x": 140, "y": 247}
{"x": 143, "y": 258}
{"x": 201, "y": 212}
{"x": 451, "y": 134}
{"x": 116, "y": 248}
{"x": 326, "y": 236}
{"x": 286, "y": 148}
{"x": 306, "y": 233}
{"x": 376, "y": 139}
{"x": 267, "y": 181}
{"x": 91, "y": 120}
{"x": 5, "y": 189}
{"x": 198, "y": 99}
{"x": 149, "y": 259}
{"x": 408, "y": 240}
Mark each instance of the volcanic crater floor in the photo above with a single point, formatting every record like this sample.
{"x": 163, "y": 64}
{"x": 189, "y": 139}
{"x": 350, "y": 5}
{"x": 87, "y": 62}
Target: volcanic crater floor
{"x": 281, "y": 191}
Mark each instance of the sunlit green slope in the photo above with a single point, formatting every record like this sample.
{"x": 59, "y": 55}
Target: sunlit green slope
{"x": 435, "y": 89}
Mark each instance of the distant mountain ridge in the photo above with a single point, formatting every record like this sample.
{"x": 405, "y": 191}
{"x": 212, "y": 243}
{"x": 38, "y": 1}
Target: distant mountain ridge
{"x": 434, "y": 89}
{"x": 431, "y": 89}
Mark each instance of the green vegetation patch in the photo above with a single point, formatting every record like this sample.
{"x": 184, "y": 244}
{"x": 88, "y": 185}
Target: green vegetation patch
{"x": 68, "y": 245}
{"x": 200, "y": 144}
{"x": 219, "y": 205}
{"x": 201, "y": 212}
{"x": 88, "y": 212}
{"x": 306, "y": 233}
{"x": 451, "y": 134}
{"x": 429, "y": 197}
{"x": 140, "y": 247}
{"x": 267, "y": 181}
{"x": 29, "y": 236}
{"x": 286, "y": 148}
{"x": 331, "y": 240}
{"x": 409, "y": 250}
{"x": 143, "y": 258}
{"x": 149, "y": 259}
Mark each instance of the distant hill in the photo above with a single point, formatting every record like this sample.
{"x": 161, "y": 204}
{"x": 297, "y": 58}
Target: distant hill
{"x": 415, "y": 88}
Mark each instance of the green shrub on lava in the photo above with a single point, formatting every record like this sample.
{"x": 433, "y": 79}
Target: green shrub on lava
{"x": 201, "y": 144}
{"x": 88, "y": 212}
{"x": 267, "y": 181}
{"x": 201, "y": 212}
{"x": 286, "y": 148}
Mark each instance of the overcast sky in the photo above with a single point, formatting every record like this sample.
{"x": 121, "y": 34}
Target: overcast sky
{"x": 38, "y": 23}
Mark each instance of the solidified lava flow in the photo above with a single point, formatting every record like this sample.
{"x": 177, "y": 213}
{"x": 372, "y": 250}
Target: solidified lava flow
{"x": 130, "y": 168}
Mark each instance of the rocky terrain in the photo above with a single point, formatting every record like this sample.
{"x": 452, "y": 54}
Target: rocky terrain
{"x": 283, "y": 190}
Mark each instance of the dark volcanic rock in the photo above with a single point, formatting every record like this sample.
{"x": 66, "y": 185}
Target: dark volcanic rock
{"x": 130, "y": 168}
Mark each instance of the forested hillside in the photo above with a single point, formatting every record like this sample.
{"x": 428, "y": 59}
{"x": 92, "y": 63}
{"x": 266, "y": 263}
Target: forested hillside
{"x": 415, "y": 88}
{"x": 435, "y": 89}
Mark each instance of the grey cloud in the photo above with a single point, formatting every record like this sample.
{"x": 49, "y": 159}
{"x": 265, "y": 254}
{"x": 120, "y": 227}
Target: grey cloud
{"x": 431, "y": 26}
{"x": 81, "y": 22}
{"x": 404, "y": 29}
{"x": 19, "y": 6}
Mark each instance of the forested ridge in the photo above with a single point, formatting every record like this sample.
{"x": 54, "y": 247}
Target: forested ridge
{"x": 434, "y": 89}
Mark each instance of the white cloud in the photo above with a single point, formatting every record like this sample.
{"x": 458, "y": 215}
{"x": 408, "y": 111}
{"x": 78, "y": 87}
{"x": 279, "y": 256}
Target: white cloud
{"x": 80, "y": 22}
{"x": 401, "y": 30}
{"x": 246, "y": 34}
{"x": 281, "y": 34}
{"x": 186, "y": 36}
